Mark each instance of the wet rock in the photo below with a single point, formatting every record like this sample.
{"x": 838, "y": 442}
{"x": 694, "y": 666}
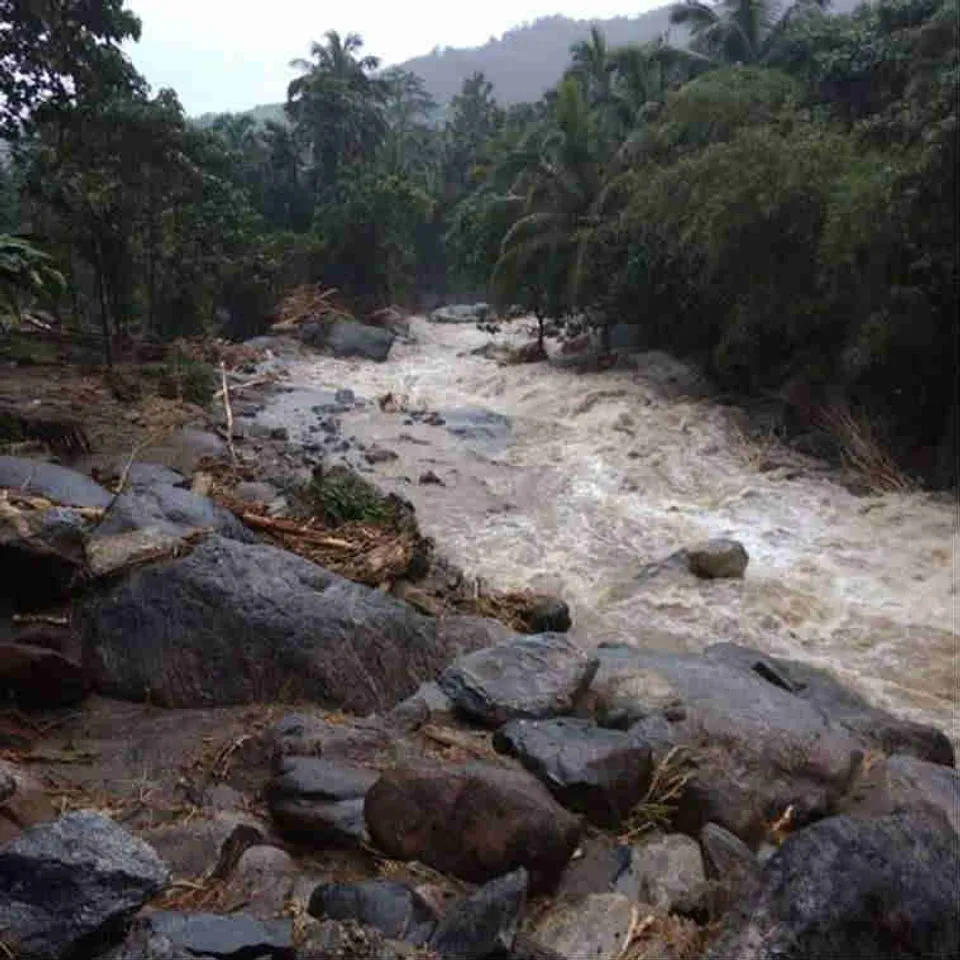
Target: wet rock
{"x": 234, "y": 937}
{"x": 549, "y": 615}
{"x": 344, "y": 338}
{"x": 727, "y": 858}
{"x": 529, "y": 677}
{"x": 904, "y": 784}
{"x": 379, "y": 455}
{"x": 320, "y": 798}
{"x": 718, "y": 559}
{"x": 63, "y": 884}
{"x": 428, "y": 477}
{"x": 841, "y": 704}
{"x": 481, "y": 429}
{"x": 484, "y": 924}
{"x": 41, "y": 556}
{"x": 600, "y": 773}
{"x": 23, "y": 802}
{"x": 753, "y": 748}
{"x": 263, "y": 880}
{"x": 596, "y": 926}
{"x": 854, "y": 888}
{"x": 174, "y": 511}
{"x": 392, "y": 908}
{"x": 476, "y": 822}
{"x": 235, "y": 623}
{"x": 668, "y": 868}
{"x": 37, "y": 677}
{"x": 41, "y": 479}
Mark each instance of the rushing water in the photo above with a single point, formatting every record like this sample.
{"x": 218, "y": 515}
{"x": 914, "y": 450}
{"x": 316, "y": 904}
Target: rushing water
{"x": 603, "y": 473}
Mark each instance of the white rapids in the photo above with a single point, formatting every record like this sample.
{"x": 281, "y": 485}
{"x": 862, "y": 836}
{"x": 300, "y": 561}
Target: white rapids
{"x": 603, "y": 473}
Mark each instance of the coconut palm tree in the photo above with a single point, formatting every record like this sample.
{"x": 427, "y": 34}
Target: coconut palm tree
{"x": 738, "y": 31}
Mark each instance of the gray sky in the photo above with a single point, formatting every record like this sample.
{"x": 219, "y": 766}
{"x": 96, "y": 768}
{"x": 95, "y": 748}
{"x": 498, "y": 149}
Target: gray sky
{"x": 233, "y": 54}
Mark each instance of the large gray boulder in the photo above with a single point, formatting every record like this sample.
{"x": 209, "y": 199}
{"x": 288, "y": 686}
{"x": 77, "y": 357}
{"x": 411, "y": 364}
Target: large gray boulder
{"x": 67, "y": 883}
{"x": 840, "y": 704}
{"x": 56, "y": 483}
{"x": 854, "y": 889}
{"x": 528, "y": 677}
{"x": 234, "y": 937}
{"x": 754, "y": 749}
{"x": 346, "y": 338}
{"x": 237, "y": 623}
{"x": 600, "y": 773}
{"x": 173, "y": 511}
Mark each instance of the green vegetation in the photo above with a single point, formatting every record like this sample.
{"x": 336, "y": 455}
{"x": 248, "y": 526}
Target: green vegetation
{"x": 775, "y": 200}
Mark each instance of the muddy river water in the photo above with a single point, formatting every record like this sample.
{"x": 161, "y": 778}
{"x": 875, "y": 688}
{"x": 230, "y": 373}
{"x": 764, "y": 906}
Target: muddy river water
{"x": 572, "y": 483}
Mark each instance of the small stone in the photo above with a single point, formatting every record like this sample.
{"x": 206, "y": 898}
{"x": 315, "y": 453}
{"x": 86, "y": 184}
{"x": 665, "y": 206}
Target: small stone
{"x": 263, "y": 880}
{"x": 23, "y": 802}
{"x": 531, "y": 677}
{"x": 669, "y": 869}
{"x": 484, "y": 924}
{"x": 428, "y": 477}
{"x": 379, "y": 455}
{"x": 718, "y": 559}
{"x": 549, "y": 615}
{"x": 234, "y": 937}
{"x": 392, "y": 908}
{"x": 727, "y": 857}
{"x": 597, "y": 927}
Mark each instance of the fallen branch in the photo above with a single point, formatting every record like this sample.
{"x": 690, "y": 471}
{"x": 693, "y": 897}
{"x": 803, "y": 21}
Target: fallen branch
{"x": 291, "y": 529}
{"x": 225, "y": 390}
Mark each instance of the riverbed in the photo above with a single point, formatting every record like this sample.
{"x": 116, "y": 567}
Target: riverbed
{"x": 574, "y": 483}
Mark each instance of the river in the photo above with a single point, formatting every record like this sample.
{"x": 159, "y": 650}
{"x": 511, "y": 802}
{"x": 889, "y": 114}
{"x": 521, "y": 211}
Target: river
{"x": 575, "y": 482}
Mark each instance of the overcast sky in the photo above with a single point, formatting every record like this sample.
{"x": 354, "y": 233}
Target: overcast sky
{"x": 233, "y": 54}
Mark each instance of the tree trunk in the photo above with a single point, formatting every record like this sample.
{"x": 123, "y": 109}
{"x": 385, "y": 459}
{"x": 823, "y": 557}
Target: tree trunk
{"x": 104, "y": 313}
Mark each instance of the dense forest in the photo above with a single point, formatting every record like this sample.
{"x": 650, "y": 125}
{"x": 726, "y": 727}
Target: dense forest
{"x": 776, "y": 201}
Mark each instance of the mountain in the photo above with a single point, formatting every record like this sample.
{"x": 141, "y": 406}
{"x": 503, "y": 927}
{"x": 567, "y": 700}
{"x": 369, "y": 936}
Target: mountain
{"x": 527, "y": 60}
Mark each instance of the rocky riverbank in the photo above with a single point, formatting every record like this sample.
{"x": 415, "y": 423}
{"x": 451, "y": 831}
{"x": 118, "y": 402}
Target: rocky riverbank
{"x": 218, "y": 748}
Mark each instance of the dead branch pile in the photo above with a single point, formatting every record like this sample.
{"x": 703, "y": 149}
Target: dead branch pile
{"x": 216, "y": 352}
{"x": 310, "y": 303}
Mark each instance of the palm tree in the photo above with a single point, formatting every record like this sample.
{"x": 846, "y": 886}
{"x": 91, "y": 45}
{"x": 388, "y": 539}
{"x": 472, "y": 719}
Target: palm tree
{"x": 592, "y": 66}
{"x": 738, "y": 31}
{"x": 556, "y": 174}
{"x": 336, "y": 105}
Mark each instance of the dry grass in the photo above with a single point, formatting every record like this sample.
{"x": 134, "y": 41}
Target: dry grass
{"x": 666, "y": 937}
{"x": 657, "y": 808}
{"x": 862, "y": 450}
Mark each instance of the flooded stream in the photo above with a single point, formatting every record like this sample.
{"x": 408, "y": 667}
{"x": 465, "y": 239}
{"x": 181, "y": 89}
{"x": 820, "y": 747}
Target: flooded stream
{"x": 580, "y": 480}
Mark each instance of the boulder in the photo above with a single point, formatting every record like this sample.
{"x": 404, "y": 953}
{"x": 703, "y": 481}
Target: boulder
{"x": 597, "y": 926}
{"x": 601, "y": 865}
{"x": 346, "y": 338}
{"x": 66, "y": 883}
{"x": 173, "y": 511}
{"x": 475, "y": 822}
{"x": 234, "y": 937}
{"x": 668, "y": 869}
{"x": 461, "y": 313}
{"x": 236, "y": 623}
{"x": 392, "y": 908}
{"x": 144, "y": 943}
{"x": 485, "y": 924}
{"x": 320, "y": 799}
{"x": 481, "y": 429}
{"x": 143, "y": 476}
{"x": 41, "y": 479}
{"x": 600, "y": 773}
{"x": 38, "y": 677}
{"x": 840, "y": 704}
{"x": 904, "y": 784}
{"x": 727, "y": 858}
{"x": 530, "y": 677}
{"x": 753, "y": 749}
{"x": 23, "y": 802}
{"x": 41, "y": 556}
{"x": 718, "y": 559}
{"x": 847, "y": 887}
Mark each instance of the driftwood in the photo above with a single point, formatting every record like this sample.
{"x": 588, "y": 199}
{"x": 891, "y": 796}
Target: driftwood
{"x": 225, "y": 389}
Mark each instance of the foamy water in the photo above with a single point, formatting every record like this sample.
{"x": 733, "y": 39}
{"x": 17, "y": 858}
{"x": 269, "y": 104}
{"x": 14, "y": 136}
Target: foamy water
{"x": 604, "y": 473}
